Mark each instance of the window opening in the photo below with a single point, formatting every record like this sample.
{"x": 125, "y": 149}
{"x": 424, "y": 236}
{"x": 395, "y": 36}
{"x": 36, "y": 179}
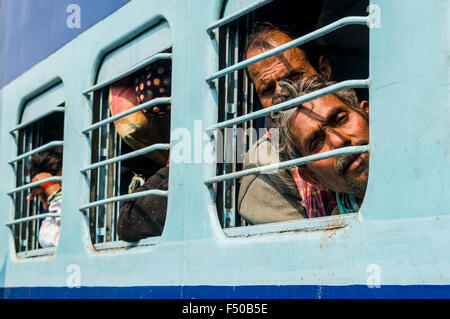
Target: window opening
{"x": 130, "y": 138}
{"x": 40, "y": 130}
{"x": 242, "y": 119}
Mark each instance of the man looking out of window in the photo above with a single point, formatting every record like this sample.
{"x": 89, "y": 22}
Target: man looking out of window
{"x": 327, "y": 123}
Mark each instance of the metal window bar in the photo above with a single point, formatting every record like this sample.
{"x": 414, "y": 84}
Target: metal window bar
{"x": 30, "y": 218}
{"x": 142, "y": 151}
{"x": 153, "y": 192}
{"x": 249, "y": 9}
{"x": 42, "y": 116}
{"x": 34, "y": 184}
{"x": 301, "y": 40}
{"x": 137, "y": 67}
{"x": 232, "y": 44}
{"x": 36, "y": 150}
{"x": 249, "y": 115}
{"x": 235, "y": 99}
{"x": 349, "y": 150}
{"x": 105, "y": 171}
{"x": 157, "y": 101}
{"x": 291, "y": 103}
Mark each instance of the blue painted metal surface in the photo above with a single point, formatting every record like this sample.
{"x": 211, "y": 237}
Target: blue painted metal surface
{"x": 34, "y": 184}
{"x": 138, "y": 66}
{"x": 402, "y": 226}
{"x": 152, "y": 192}
{"x": 227, "y": 19}
{"x": 291, "y": 163}
{"x": 142, "y": 151}
{"x": 37, "y": 150}
{"x": 157, "y": 101}
{"x": 289, "y": 104}
{"x": 301, "y": 40}
{"x": 26, "y": 219}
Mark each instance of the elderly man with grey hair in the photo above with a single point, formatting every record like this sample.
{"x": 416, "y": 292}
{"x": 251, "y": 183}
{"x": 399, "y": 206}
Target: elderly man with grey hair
{"x": 323, "y": 124}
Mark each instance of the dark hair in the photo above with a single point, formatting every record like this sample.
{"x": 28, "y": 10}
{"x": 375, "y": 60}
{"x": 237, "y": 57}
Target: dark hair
{"x": 311, "y": 50}
{"x": 49, "y": 160}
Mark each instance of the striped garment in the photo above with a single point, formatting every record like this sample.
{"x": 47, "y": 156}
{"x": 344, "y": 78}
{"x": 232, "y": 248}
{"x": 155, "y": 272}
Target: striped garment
{"x": 51, "y": 226}
{"x": 318, "y": 203}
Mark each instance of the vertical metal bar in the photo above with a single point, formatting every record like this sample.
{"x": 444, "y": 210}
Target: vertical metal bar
{"x": 24, "y": 207}
{"x": 102, "y": 179}
{"x": 17, "y": 196}
{"x": 244, "y": 96}
{"x": 20, "y": 182}
{"x": 230, "y": 135}
{"x": 118, "y": 144}
{"x": 94, "y": 137}
{"x": 32, "y": 207}
{"x": 251, "y": 91}
{"x": 111, "y": 177}
{"x": 243, "y": 108}
{"x": 226, "y": 131}
{"x": 235, "y": 59}
{"x": 223, "y": 34}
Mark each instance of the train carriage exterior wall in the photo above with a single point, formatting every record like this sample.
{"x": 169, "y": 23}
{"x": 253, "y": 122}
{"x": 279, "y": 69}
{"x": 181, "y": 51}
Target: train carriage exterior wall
{"x": 396, "y": 246}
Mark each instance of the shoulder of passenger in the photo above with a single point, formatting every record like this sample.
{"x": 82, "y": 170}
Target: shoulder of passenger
{"x": 261, "y": 153}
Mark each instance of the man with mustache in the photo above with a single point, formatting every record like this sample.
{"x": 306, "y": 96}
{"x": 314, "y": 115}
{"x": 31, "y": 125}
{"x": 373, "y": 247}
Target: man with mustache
{"x": 281, "y": 195}
{"x": 330, "y": 122}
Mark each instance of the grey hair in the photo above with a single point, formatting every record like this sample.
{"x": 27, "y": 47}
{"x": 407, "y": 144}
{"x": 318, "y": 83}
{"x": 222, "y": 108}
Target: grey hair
{"x": 282, "y": 120}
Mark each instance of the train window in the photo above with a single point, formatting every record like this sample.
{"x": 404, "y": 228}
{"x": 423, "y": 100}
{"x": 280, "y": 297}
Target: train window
{"x": 320, "y": 32}
{"x": 129, "y": 138}
{"x": 41, "y": 129}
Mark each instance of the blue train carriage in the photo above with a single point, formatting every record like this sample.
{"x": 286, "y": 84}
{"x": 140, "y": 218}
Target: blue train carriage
{"x": 395, "y": 246}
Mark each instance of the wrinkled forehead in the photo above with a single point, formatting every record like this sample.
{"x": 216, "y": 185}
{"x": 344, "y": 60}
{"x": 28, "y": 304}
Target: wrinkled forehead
{"x": 289, "y": 60}
{"x": 267, "y": 40}
{"x": 320, "y": 109}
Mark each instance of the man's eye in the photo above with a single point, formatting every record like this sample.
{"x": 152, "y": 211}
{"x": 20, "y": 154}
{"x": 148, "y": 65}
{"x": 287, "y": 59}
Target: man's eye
{"x": 341, "y": 118}
{"x": 269, "y": 90}
{"x": 316, "y": 145}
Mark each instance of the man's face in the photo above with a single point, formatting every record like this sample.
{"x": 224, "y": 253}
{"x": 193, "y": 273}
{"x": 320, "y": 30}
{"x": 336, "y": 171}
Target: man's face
{"x": 325, "y": 124}
{"x": 266, "y": 74}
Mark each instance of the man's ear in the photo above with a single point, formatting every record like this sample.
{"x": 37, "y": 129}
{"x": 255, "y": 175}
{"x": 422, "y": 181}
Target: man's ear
{"x": 325, "y": 68}
{"x": 364, "y": 105}
{"x": 308, "y": 176}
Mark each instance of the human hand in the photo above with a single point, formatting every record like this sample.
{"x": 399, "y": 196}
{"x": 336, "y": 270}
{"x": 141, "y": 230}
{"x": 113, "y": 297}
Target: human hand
{"x": 38, "y": 191}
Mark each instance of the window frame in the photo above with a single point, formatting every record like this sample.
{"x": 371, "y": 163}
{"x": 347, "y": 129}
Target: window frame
{"x": 122, "y": 69}
{"x": 51, "y": 99}
{"x": 320, "y": 223}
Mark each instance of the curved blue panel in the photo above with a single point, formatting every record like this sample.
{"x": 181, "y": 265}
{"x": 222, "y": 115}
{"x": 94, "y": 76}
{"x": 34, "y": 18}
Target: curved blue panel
{"x": 31, "y": 30}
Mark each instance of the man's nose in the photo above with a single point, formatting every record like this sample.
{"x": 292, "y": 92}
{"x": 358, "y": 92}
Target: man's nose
{"x": 337, "y": 139}
{"x": 278, "y": 94}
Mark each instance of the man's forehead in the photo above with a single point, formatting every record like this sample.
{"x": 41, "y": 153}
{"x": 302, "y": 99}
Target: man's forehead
{"x": 279, "y": 63}
{"x": 316, "y": 112}
{"x": 269, "y": 39}
{"x": 323, "y": 104}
